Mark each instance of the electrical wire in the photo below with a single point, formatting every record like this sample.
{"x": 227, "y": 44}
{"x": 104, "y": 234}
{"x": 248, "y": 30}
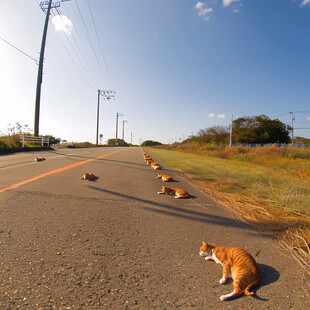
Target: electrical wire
{"x": 78, "y": 67}
{"x": 81, "y": 58}
{"x": 90, "y": 41}
{"x": 78, "y": 34}
{"x": 79, "y": 49}
{"x": 36, "y": 61}
{"x": 99, "y": 43}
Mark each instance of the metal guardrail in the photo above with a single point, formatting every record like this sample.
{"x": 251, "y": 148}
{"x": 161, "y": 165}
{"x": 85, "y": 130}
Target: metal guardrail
{"x": 34, "y": 140}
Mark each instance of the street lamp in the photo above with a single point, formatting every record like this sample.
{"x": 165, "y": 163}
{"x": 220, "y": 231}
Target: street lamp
{"x": 107, "y": 95}
{"x": 117, "y": 116}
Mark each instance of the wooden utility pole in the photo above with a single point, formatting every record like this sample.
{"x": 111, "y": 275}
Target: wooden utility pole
{"x": 40, "y": 72}
{"x": 46, "y": 6}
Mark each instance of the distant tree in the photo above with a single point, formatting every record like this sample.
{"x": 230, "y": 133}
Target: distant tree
{"x": 215, "y": 134}
{"x": 120, "y": 142}
{"x": 52, "y": 139}
{"x": 150, "y": 143}
{"x": 260, "y": 129}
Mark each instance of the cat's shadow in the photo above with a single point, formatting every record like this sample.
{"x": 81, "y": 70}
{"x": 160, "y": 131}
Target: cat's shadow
{"x": 94, "y": 180}
{"x": 268, "y": 275}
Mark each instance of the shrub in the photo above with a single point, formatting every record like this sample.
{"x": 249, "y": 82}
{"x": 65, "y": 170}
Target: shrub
{"x": 150, "y": 143}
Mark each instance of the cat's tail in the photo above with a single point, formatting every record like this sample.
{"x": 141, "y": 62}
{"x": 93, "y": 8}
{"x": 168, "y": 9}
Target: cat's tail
{"x": 247, "y": 290}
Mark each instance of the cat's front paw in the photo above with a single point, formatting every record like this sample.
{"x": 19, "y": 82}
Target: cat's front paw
{"x": 208, "y": 258}
{"x": 222, "y": 281}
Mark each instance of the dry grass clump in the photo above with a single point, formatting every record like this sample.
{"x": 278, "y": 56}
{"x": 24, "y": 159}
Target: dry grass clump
{"x": 295, "y": 241}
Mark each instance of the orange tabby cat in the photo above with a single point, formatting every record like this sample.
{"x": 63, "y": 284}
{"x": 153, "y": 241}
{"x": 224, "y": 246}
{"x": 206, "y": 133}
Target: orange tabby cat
{"x": 39, "y": 158}
{"x": 89, "y": 176}
{"x": 155, "y": 166}
{"x": 179, "y": 193}
{"x": 242, "y": 265}
{"x": 164, "y": 177}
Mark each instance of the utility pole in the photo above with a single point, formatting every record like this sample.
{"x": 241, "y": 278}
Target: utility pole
{"x": 46, "y": 6}
{"x": 230, "y": 134}
{"x": 131, "y": 135}
{"x": 293, "y": 121}
{"x": 117, "y": 116}
{"x": 124, "y": 130}
{"x": 107, "y": 95}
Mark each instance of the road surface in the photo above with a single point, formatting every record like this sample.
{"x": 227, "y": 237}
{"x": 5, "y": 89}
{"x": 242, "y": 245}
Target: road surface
{"x": 114, "y": 243}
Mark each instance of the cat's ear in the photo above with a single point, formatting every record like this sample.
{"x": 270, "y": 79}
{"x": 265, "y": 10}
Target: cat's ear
{"x": 203, "y": 243}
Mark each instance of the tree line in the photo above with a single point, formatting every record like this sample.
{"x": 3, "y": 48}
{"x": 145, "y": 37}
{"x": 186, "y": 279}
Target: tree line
{"x": 246, "y": 130}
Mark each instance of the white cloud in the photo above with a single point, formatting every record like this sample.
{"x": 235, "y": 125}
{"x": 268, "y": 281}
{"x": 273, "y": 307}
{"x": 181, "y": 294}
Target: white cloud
{"x": 236, "y": 11}
{"x": 202, "y": 11}
{"x": 228, "y": 2}
{"x": 210, "y": 115}
{"x": 308, "y": 118}
{"x": 62, "y": 23}
{"x": 205, "y": 11}
{"x": 221, "y": 115}
{"x": 199, "y": 5}
{"x": 305, "y": 2}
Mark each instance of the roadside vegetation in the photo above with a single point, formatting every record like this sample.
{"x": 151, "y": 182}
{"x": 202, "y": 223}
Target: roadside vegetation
{"x": 267, "y": 187}
{"x": 150, "y": 143}
{"x": 11, "y": 139}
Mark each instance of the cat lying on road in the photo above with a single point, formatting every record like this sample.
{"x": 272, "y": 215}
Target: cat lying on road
{"x": 164, "y": 177}
{"x": 179, "y": 193}
{"x": 89, "y": 176}
{"x": 239, "y": 262}
{"x": 39, "y": 159}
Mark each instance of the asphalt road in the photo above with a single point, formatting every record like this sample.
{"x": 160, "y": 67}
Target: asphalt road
{"x": 114, "y": 243}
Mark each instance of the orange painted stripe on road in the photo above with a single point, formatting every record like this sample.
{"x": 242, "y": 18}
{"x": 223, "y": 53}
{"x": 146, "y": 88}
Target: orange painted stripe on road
{"x": 40, "y": 176}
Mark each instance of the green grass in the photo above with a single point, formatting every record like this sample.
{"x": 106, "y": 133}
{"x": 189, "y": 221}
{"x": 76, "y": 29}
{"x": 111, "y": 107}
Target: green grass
{"x": 279, "y": 181}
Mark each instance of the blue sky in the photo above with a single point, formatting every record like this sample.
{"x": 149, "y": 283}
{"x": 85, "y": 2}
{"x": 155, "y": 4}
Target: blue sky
{"x": 177, "y": 66}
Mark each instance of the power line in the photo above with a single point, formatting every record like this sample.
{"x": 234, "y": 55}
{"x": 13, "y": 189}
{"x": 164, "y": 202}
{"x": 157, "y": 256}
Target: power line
{"x": 281, "y": 114}
{"x": 36, "y": 61}
{"x": 286, "y": 113}
{"x": 91, "y": 44}
{"x": 76, "y": 53}
{"x": 99, "y": 43}
{"x": 80, "y": 39}
{"x": 68, "y": 51}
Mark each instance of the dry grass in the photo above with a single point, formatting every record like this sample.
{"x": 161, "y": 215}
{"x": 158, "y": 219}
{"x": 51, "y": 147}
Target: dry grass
{"x": 267, "y": 187}
{"x": 10, "y": 141}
